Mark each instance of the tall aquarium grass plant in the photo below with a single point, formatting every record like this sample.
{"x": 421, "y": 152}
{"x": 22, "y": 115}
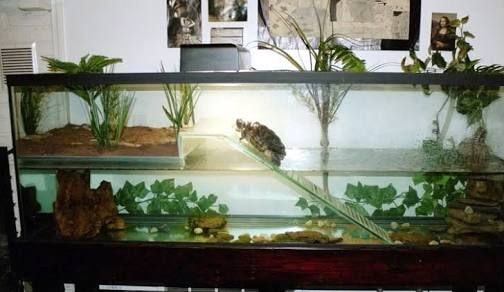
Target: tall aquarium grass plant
{"x": 109, "y": 118}
{"x": 108, "y": 106}
{"x": 31, "y": 103}
{"x": 181, "y": 99}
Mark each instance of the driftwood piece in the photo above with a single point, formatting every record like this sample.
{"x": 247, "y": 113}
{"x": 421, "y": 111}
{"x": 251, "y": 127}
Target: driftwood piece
{"x": 81, "y": 212}
{"x": 497, "y": 210}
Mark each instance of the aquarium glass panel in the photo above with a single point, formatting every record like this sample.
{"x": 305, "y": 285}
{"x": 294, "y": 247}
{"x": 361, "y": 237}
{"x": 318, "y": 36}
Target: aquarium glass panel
{"x": 182, "y": 158}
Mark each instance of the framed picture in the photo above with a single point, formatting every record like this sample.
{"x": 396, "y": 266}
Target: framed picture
{"x": 184, "y": 22}
{"x": 442, "y": 33}
{"x": 227, "y": 10}
{"x": 362, "y": 24}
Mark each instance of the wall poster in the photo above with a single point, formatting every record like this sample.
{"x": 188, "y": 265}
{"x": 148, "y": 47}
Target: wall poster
{"x": 365, "y": 25}
{"x": 227, "y": 10}
{"x": 184, "y": 22}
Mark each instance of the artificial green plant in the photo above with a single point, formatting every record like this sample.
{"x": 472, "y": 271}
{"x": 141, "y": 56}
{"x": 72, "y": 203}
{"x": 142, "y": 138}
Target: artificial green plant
{"x": 468, "y": 100}
{"x": 108, "y": 106}
{"x": 165, "y": 197}
{"x": 31, "y": 103}
{"x": 181, "y": 100}
{"x": 436, "y": 191}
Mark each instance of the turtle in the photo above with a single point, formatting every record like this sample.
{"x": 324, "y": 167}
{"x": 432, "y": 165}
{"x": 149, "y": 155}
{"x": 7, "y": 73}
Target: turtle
{"x": 263, "y": 139}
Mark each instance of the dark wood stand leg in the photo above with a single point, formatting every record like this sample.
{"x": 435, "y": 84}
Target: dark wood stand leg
{"x": 271, "y": 289}
{"x": 494, "y": 289}
{"x": 40, "y": 286}
{"x": 464, "y": 289}
{"x": 86, "y": 287}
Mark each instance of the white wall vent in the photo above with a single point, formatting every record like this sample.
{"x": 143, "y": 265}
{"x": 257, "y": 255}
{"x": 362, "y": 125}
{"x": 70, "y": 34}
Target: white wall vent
{"x": 18, "y": 61}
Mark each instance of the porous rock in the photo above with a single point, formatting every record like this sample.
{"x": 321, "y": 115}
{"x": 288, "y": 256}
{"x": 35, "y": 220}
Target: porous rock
{"x": 81, "y": 212}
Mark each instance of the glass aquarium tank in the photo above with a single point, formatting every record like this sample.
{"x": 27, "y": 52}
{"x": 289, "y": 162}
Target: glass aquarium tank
{"x": 252, "y": 159}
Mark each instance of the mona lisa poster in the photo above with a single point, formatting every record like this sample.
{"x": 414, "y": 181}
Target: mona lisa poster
{"x": 442, "y": 33}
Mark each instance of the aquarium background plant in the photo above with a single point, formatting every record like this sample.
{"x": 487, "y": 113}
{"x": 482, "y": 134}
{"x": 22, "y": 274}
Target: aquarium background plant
{"x": 31, "y": 103}
{"x": 468, "y": 100}
{"x": 165, "y": 197}
{"x": 108, "y": 106}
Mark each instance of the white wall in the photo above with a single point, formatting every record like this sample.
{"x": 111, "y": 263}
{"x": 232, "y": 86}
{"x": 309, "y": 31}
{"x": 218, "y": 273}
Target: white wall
{"x": 136, "y": 31}
{"x": 21, "y": 29}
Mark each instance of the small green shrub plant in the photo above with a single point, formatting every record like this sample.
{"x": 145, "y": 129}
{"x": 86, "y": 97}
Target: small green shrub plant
{"x": 108, "y": 106}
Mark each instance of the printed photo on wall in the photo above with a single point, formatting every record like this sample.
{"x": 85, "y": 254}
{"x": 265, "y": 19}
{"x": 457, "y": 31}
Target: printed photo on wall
{"x": 365, "y": 24}
{"x": 184, "y": 22}
{"x": 227, "y": 10}
{"x": 442, "y": 33}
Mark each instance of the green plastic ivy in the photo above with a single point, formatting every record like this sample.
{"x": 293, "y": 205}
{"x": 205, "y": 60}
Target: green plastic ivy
{"x": 164, "y": 197}
{"x": 436, "y": 192}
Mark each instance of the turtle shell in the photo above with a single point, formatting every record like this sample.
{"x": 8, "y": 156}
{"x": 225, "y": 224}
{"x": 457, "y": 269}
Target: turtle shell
{"x": 263, "y": 139}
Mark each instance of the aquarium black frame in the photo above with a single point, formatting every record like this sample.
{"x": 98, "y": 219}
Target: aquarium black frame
{"x": 253, "y": 77}
{"x": 48, "y": 263}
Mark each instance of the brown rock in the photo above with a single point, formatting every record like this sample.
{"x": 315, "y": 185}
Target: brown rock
{"x": 478, "y": 209}
{"x": 412, "y": 237}
{"x": 474, "y": 218}
{"x": 81, "y": 212}
{"x": 486, "y": 188}
{"x": 460, "y": 227}
{"x": 308, "y": 236}
{"x": 207, "y": 222}
{"x": 474, "y": 151}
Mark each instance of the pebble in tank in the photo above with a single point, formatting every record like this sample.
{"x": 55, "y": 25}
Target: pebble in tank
{"x": 263, "y": 139}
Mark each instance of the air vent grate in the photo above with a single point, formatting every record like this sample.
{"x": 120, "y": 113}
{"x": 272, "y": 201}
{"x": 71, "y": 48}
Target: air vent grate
{"x": 16, "y": 61}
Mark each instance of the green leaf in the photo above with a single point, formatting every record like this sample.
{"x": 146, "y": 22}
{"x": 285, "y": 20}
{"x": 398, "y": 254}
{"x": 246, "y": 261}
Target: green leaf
{"x": 378, "y": 213}
{"x": 395, "y": 212}
{"x": 426, "y": 206}
{"x": 302, "y": 203}
{"x": 418, "y": 179}
{"x": 223, "y": 209}
{"x": 134, "y": 209}
{"x": 166, "y": 186}
{"x": 438, "y": 60}
{"x": 154, "y": 207}
{"x": 212, "y": 199}
{"x": 193, "y": 197}
{"x": 464, "y": 19}
{"x": 411, "y": 197}
{"x": 329, "y": 212}
{"x": 455, "y": 22}
{"x": 140, "y": 191}
{"x": 204, "y": 204}
{"x": 468, "y": 35}
{"x": 183, "y": 191}
{"x": 315, "y": 211}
